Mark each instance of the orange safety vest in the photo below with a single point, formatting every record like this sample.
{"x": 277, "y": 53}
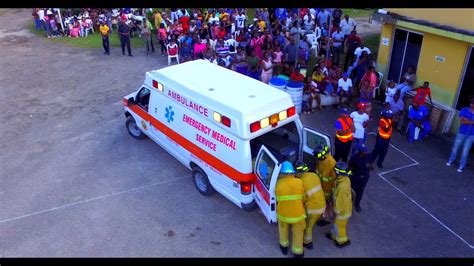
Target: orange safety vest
{"x": 387, "y": 123}
{"x": 348, "y": 135}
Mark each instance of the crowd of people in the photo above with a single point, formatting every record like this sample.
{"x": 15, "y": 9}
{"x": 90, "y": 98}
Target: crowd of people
{"x": 280, "y": 42}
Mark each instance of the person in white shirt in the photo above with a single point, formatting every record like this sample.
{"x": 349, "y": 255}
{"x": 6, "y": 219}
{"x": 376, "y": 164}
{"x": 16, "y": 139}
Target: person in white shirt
{"x": 240, "y": 21}
{"x": 345, "y": 88}
{"x": 337, "y": 40}
{"x": 397, "y": 106}
{"x": 358, "y": 51}
{"x": 390, "y": 91}
{"x": 347, "y": 25}
{"x": 361, "y": 121}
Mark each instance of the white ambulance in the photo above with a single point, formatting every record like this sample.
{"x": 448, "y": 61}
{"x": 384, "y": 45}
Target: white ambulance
{"x": 232, "y": 131}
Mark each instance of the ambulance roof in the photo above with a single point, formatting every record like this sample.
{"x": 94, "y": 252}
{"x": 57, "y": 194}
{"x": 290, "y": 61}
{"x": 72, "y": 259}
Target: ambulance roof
{"x": 228, "y": 92}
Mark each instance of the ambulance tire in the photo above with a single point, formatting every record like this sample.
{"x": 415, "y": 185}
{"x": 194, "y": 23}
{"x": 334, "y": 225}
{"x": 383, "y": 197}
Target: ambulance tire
{"x": 133, "y": 129}
{"x": 202, "y": 182}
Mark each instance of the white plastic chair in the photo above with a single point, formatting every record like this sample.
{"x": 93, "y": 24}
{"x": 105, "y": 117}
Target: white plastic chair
{"x": 232, "y": 42}
{"x": 314, "y": 42}
{"x": 176, "y": 56}
{"x": 213, "y": 44}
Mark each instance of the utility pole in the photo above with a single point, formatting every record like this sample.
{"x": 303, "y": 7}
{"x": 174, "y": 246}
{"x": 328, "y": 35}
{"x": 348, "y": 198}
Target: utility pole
{"x": 328, "y": 50}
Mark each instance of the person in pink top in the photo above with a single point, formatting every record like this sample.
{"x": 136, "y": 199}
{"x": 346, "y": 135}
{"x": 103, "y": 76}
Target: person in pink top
{"x": 267, "y": 67}
{"x": 199, "y": 49}
{"x": 277, "y": 60}
{"x": 162, "y": 37}
{"x": 256, "y": 43}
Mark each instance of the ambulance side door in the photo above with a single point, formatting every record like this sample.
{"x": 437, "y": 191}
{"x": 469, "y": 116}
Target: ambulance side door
{"x": 142, "y": 99}
{"x": 312, "y": 138}
{"x": 266, "y": 171}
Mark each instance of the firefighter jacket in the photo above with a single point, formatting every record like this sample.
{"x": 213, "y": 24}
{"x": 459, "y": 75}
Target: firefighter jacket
{"x": 342, "y": 198}
{"x": 325, "y": 170}
{"x": 315, "y": 201}
{"x": 290, "y": 196}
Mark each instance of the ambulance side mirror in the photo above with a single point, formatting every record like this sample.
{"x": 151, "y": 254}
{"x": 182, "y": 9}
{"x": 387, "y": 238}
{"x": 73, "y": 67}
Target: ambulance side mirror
{"x": 131, "y": 101}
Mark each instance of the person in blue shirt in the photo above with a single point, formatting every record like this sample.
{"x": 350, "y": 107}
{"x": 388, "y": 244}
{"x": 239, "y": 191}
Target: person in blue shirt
{"x": 418, "y": 116}
{"x": 464, "y": 137}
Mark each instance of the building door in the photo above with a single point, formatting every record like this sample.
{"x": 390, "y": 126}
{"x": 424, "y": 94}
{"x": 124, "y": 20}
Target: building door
{"x": 467, "y": 84}
{"x": 405, "y": 52}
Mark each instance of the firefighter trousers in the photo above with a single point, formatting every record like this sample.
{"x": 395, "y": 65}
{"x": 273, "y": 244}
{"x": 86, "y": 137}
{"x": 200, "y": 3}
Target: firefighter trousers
{"x": 339, "y": 233}
{"x": 297, "y": 234}
{"x": 308, "y": 232}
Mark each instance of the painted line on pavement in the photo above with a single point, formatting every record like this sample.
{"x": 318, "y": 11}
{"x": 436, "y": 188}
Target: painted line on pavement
{"x": 381, "y": 175}
{"x": 92, "y": 199}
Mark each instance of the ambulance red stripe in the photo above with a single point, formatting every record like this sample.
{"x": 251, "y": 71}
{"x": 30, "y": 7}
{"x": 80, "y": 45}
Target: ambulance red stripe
{"x": 193, "y": 148}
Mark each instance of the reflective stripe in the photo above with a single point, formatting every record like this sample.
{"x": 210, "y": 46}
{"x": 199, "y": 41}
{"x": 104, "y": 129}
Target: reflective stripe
{"x": 344, "y": 137}
{"x": 326, "y": 178}
{"x": 289, "y": 197}
{"x": 313, "y": 190}
{"x": 297, "y": 250}
{"x": 342, "y": 240}
{"x": 291, "y": 220}
{"x": 285, "y": 243}
{"x": 343, "y": 217}
{"x": 319, "y": 211}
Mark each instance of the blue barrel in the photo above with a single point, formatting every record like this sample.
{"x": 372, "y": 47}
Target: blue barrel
{"x": 295, "y": 89}
{"x": 278, "y": 83}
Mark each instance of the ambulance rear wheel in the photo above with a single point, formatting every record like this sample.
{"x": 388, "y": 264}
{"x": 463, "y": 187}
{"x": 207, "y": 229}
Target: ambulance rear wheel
{"x": 202, "y": 182}
{"x": 133, "y": 129}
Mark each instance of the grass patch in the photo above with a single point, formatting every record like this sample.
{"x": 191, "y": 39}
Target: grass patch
{"x": 91, "y": 41}
{"x": 373, "y": 41}
{"x": 357, "y": 13}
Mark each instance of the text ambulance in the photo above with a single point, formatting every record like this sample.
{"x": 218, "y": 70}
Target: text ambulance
{"x": 232, "y": 131}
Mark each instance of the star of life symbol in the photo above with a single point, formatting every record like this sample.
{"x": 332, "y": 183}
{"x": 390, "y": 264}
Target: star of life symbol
{"x": 169, "y": 114}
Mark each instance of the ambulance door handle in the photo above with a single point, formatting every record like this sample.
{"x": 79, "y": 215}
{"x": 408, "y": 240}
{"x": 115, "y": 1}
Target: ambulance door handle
{"x": 273, "y": 206}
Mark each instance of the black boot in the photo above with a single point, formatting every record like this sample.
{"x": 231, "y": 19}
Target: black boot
{"x": 284, "y": 250}
{"x": 358, "y": 209}
{"x": 343, "y": 244}
{"x": 297, "y": 256}
{"x": 322, "y": 223}
{"x": 380, "y": 165}
{"x": 308, "y": 246}
{"x": 328, "y": 236}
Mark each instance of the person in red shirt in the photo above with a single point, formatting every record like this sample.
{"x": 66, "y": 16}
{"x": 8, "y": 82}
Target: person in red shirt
{"x": 184, "y": 20}
{"x": 221, "y": 33}
{"x": 296, "y": 75}
{"x": 422, "y": 92}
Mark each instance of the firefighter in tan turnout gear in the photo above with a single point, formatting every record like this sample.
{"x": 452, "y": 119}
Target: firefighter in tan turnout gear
{"x": 325, "y": 170}
{"x": 290, "y": 196}
{"x": 315, "y": 202}
{"x": 342, "y": 200}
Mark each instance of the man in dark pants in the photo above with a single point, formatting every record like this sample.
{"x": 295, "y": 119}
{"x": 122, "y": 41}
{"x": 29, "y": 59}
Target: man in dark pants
{"x": 352, "y": 42}
{"x": 383, "y": 138}
{"x": 104, "y": 31}
{"x": 343, "y": 141}
{"x": 360, "y": 167}
{"x": 124, "y": 33}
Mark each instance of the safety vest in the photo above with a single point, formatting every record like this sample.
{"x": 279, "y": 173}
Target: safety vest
{"x": 387, "y": 123}
{"x": 325, "y": 171}
{"x": 315, "y": 202}
{"x": 342, "y": 198}
{"x": 290, "y": 196}
{"x": 348, "y": 136}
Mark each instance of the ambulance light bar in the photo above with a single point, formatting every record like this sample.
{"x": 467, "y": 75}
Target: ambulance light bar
{"x": 272, "y": 120}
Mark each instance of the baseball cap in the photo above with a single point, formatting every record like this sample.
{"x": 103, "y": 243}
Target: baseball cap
{"x": 343, "y": 111}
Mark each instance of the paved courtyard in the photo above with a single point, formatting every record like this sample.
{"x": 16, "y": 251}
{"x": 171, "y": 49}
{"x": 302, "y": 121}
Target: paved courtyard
{"x": 75, "y": 184}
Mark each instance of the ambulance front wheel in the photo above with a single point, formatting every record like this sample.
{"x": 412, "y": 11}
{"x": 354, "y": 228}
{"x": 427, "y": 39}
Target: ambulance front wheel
{"x": 202, "y": 182}
{"x": 133, "y": 129}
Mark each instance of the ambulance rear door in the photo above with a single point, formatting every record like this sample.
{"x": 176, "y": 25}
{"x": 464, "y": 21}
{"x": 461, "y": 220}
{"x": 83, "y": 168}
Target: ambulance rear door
{"x": 266, "y": 171}
{"x": 312, "y": 138}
